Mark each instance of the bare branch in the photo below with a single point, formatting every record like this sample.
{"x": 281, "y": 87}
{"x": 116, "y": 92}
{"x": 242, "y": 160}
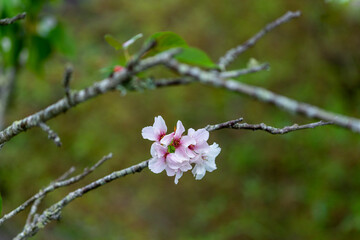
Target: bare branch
{"x": 263, "y": 95}
{"x": 53, "y": 212}
{"x": 51, "y": 134}
{"x": 140, "y": 54}
{"x": 232, "y": 54}
{"x": 52, "y": 187}
{"x": 66, "y": 83}
{"x": 7, "y": 21}
{"x": 81, "y": 96}
{"x": 66, "y": 174}
{"x": 165, "y": 82}
{"x": 274, "y": 130}
{"x": 234, "y": 124}
{"x": 237, "y": 73}
{"x": 227, "y": 124}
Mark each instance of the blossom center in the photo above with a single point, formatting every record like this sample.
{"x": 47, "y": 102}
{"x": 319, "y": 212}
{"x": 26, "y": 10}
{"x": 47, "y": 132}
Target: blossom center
{"x": 176, "y": 143}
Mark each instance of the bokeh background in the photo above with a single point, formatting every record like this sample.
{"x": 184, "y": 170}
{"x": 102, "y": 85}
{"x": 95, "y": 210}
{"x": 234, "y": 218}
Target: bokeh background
{"x": 303, "y": 185}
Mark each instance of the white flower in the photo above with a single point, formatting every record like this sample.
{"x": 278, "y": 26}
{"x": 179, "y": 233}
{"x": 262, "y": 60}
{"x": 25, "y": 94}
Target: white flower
{"x": 205, "y": 161}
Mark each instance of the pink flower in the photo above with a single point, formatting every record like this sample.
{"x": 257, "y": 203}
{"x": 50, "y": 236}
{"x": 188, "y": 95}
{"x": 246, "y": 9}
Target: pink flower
{"x": 175, "y": 153}
{"x": 178, "y": 142}
{"x": 200, "y": 137}
{"x": 164, "y": 160}
{"x": 161, "y": 159}
{"x": 205, "y": 161}
{"x": 156, "y": 132}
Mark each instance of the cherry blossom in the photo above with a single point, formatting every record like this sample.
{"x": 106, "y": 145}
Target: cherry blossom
{"x": 175, "y": 153}
{"x": 155, "y": 132}
{"x": 205, "y": 161}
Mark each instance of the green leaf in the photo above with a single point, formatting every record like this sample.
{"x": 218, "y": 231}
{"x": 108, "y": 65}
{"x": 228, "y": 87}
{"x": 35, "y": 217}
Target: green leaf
{"x": 113, "y": 42}
{"x": 195, "y": 56}
{"x": 165, "y": 41}
{"x": 62, "y": 40}
{"x": 39, "y": 50}
{"x": 0, "y": 204}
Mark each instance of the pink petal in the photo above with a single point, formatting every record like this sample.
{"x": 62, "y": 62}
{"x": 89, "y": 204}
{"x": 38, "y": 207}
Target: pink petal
{"x": 191, "y": 132}
{"x": 159, "y": 126}
{"x": 148, "y": 133}
{"x": 187, "y": 141}
{"x": 201, "y": 135}
{"x": 161, "y": 150}
{"x": 201, "y": 147}
{"x": 190, "y": 153}
{"x": 170, "y": 172}
{"x": 173, "y": 160}
{"x": 185, "y": 166}
{"x": 181, "y": 154}
{"x": 179, "y": 129}
{"x": 157, "y": 150}
{"x": 167, "y": 139}
{"x": 157, "y": 165}
{"x": 178, "y": 176}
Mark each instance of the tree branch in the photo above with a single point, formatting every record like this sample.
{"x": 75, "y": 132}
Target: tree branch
{"x": 53, "y": 212}
{"x": 263, "y": 95}
{"x": 51, "y": 134}
{"x": 51, "y": 187}
{"x": 235, "y": 124}
{"x": 81, "y": 96}
{"x": 232, "y": 54}
{"x": 7, "y": 21}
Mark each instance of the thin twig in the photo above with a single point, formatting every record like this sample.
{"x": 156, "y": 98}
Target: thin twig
{"x": 235, "y": 124}
{"x": 165, "y": 82}
{"x": 227, "y": 124}
{"x": 66, "y": 174}
{"x": 237, "y": 73}
{"x": 66, "y": 83}
{"x": 232, "y": 54}
{"x": 7, "y": 21}
{"x": 151, "y": 44}
{"x": 51, "y": 134}
{"x": 274, "y": 130}
{"x": 52, "y": 187}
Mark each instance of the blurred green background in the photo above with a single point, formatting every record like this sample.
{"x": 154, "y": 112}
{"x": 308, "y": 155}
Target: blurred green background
{"x": 303, "y": 185}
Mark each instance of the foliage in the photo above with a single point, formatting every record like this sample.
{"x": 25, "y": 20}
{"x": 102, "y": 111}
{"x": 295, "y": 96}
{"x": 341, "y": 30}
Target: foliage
{"x": 34, "y": 40}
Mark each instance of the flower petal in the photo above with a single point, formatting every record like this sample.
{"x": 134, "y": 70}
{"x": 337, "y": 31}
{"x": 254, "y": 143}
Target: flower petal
{"x": 159, "y": 126}
{"x": 167, "y": 139}
{"x": 201, "y": 135}
{"x": 179, "y": 130}
{"x": 187, "y": 141}
{"x": 157, "y": 165}
{"x": 199, "y": 171}
{"x": 148, "y": 133}
{"x": 181, "y": 153}
{"x": 157, "y": 150}
{"x": 178, "y": 176}
{"x": 170, "y": 172}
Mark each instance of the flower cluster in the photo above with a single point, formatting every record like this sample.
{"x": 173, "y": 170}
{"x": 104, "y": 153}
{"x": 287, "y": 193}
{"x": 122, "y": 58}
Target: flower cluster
{"x": 176, "y": 153}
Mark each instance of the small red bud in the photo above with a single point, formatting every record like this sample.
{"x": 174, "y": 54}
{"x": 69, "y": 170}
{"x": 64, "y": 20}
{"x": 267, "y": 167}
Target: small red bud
{"x": 118, "y": 68}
